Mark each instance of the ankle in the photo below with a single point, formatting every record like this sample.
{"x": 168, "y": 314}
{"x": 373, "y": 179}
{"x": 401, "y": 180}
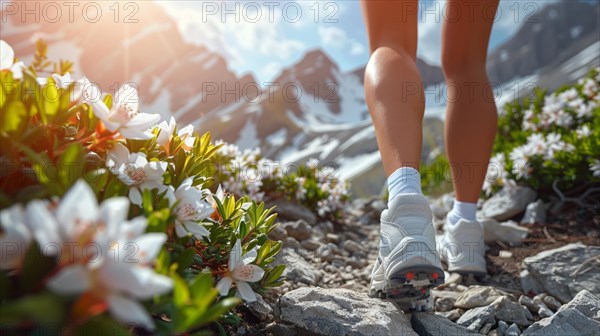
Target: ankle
{"x": 404, "y": 180}
{"x": 462, "y": 210}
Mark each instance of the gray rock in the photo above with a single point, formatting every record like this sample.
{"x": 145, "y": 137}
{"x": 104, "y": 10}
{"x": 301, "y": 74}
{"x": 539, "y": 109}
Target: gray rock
{"x": 352, "y": 246}
{"x": 478, "y": 296}
{"x": 442, "y": 205}
{"x": 508, "y": 202}
{"x": 513, "y": 330}
{"x": 534, "y": 213}
{"x": 337, "y": 311}
{"x": 528, "y": 302}
{"x": 502, "y": 326}
{"x": 280, "y": 329}
{"x": 430, "y": 324}
{"x": 551, "y": 302}
{"x": 293, "y": 211}
{"x": 476, "y": 318}
{"x": 569, "y": 321}
{"x": 444, "y": 304}
{"x": 278, "y": 233}
{"x": 453, "y": 314}
{"x": 565, "y": 271}
{"x": 296, "y": 268}
{"x": 486, "y": 328}
{"x": 299, "y": 229}
{"x": 509, "y": 311}
{"x": 507, "y": 232}
{"x": 310, "y": 245}
{"x": 587, "y": 303}
{"x": 260, "y": 309}
{"x": 529, "y": 284}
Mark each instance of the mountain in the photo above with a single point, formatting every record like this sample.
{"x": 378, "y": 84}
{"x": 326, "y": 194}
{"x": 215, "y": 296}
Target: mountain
{"x": 312, "y": 109}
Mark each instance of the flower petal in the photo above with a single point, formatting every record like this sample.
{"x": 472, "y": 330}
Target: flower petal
{"x": 44, "y": 227}
{"x": 197, "y": 229}
{"x": 133, "y": 228}
{"x": 7, "y": 55}
{"x": 113, "y": 212}
{"x": 78, "y": 209}
{"x": 181, "y": 230}
{"x": 133, "y": 279}
{"x": 224, "y": 285}
{"x": 250, "y": 256}
{"x": 135, "y": 196}
{"x": 149, "y": 245}
{"x": 117, "y": 156}
{"x": 235, "y": 256}
{"x": 248, "y": 273}
{"x": 15, "y": 238}
{"x": 135, "y": 133}
{"x": 245, "y": 291}
{"x": 128, "y": 311}
{"x": 72, "y": 279}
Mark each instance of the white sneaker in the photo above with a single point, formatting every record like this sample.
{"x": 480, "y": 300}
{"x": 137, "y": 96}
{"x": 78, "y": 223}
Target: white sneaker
{"x": 408, "y": 264}
{"x": 462, "y": 247}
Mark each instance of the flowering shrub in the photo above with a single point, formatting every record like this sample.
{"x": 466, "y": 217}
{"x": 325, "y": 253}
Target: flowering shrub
{"x": 550, "y": 137}
{"x": 108, "y": 223}
{"x": 247, "y": 172}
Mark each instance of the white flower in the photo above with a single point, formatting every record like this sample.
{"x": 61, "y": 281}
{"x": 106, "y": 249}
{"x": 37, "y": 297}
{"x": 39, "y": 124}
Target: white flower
{"x": 590, "y": 88}
{"x": 241, "y": 272}
{"x": 520, "y": 161}
{"x": 61, "y": 81}
{"x": 124, "y": 116}
{"x": 595, "y": 168}
{"x": 586, "y": 110}
{"x": 220, "y": 194}
{"x": 111, "y": 272}
{"x": 190, "y": 209}
{"x": 7, "y": 60}
{"x": 568, "y": 95}
{"x": 166, "y": 131}
{"x": 583, "y": 131}
{"x": 15, "y": 237}
{"x": 136, "y": 171}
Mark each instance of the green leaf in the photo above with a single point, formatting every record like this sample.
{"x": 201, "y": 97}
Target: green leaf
{"x": 181, "y": 293}
{"x": 70, "y": 165}
{"x": 44, "y": 308}
{"x": 101, "y": 325}
{"x": 13, "y": 117}
{"x": 185, "y": 260}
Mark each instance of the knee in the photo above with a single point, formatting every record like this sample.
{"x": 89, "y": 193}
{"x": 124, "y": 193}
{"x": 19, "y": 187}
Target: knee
{"x": 389, "y": 67}
{"x": 460, "y": 64}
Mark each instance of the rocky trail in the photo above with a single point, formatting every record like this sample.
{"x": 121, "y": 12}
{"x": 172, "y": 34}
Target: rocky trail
{"x": 544, "y": 279}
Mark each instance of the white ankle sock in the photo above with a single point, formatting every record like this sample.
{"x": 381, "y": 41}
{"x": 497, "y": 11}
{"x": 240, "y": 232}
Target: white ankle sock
{"x": 403, "y": 181}
{"x": 462, "y": 210}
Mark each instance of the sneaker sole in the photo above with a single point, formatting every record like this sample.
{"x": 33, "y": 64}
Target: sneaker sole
{"x": 409, "y": 289}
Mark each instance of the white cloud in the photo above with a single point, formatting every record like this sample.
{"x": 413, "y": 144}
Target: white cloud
{"x": 337, "y": 38}
{"x": 270, "y": 70}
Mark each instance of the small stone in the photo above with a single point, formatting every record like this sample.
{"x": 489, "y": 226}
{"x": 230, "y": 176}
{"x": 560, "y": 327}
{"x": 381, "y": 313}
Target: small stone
{"x": 507, "y": 232}
{"x": 260, "y": 308}
{"x": 477, "y": 296}
{"x": 278, "y": 233}
{"x": 528, "y": 302}
{"x": 299, "y": 229}
{"x": 509, "y": 311}
{"x": 529, "y": 284}
{"x": 352, "y": 246}
{"x": 502, "y": 326}
{"x": 297, "y": 269}
{"x": 535, "y": 213}
{"x": 505, "y": 254}
{"x": 356, "y": 264}
{"x": 513, "y": 330}
{"x": 310, "y": 244}
{"x": 552, "y": 303}
{"x": 508, "y": 202}
{"x": 476, "y": 318}
{"x": 332, "y": 238}
{"x": 428, "y": 323}
{"x": 293, "y": 210}
{"x": 291, "y": 242}
{"x": 444, "y": 304}
{"x": 461, "y": 288}
{"x": 486, "y": 328}
{"x": 281, "y": 329}
{"x": 453, "y": 314}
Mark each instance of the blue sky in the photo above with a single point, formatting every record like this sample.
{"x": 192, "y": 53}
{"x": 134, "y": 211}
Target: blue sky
{"x": 270, "y": 35}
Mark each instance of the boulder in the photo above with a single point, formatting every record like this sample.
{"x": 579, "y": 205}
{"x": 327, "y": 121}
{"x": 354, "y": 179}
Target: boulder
{"x": 508, "y": 202}
{"x": 534, "y": 213}
{"x": 476, "y": 318}
{"x": 430, "y": 324}
{"x": 507, "y": 232}
{"x": 298, "y": 229}
{"x": 320, "y": 311}
{"x": 293, "y": 211}
{"x": 510, "y": 311}
{"x": 581, "y": 316}
{"x": 565, "y": 271}
{"x": 477, "y": 296}
{"x": 297, "y": 269}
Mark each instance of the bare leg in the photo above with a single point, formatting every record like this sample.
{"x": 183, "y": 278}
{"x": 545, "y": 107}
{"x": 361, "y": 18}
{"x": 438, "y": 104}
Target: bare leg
{"x": 393, "y": 83}
{"x": 471, "y": 117}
